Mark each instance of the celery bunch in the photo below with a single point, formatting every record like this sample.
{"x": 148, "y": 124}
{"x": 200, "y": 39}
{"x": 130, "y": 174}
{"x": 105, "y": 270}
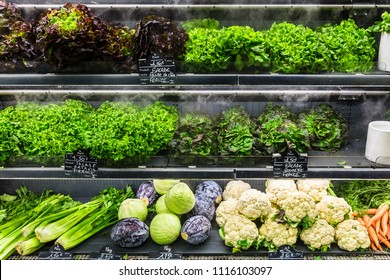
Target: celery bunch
{"x": 36, "y": 208}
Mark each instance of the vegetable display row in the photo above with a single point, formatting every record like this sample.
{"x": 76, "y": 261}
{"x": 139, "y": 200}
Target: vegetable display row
{"x": 119, "y": 130}
{"x": 72, "y": 35}
{"x": 311, "y": 211}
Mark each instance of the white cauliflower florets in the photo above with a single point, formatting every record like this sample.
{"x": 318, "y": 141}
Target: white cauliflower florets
{"x": 225, "y": 210}
{"x": 277, "y": 234}
{"x": 254, "y": 204}
{"x": 240, "y": 233}
{"x": 319, "y": 236}
{"x": 234, "y": 189}
{"x": 333, "y": 209}
{"x": 316, "y": 188}
{"x": 351, "y": 235}
{"x": 298, "y": 206}
{"x": 277, "y": 189}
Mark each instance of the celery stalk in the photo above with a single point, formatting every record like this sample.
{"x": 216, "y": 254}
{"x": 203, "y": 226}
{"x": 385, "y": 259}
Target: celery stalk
{"x": 29, "y": 246}
{"x": 30, "y": 227}
{"x": 48, "y": 230}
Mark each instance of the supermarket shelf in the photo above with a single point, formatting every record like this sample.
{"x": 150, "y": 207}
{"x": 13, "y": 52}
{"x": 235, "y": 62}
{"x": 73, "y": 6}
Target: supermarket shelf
{"x": 193, "y": 172}
{"x": 212, "y": 248}
{"x": 329, "y": 87}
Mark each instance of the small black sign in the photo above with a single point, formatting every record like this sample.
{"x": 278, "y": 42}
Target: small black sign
{"x": 80, "y": 164}
{"x": 105, "y": 253}
{"x": 165, "y": 253}
{"x": 285, "y": 252}
{"x": 157, "y": 70}
{"x": 56, "y": 252}
{"x": 290, "y": 165}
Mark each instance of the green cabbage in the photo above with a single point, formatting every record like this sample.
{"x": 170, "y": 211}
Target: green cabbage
{"x": 165, "y": 228}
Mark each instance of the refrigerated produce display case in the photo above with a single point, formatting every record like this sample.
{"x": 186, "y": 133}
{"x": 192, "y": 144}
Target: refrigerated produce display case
{"x": 287, "y": 67}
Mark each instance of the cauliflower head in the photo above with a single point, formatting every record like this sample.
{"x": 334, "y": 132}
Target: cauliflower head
{"x": 234, "y": 189}
{"x": 240, "y": 233}
{"x": 351, "y": 235}
{"x": 299, "y": 208}
{"x": 316, "y": 188}
{"x": 276, "y": 234}
{"x": 277, "y": 189}
{"x": 254, "y": 204}
{"x": 333, "y": 209}
{"x": 319, "y": 236}
{"x": 225, "y": 210}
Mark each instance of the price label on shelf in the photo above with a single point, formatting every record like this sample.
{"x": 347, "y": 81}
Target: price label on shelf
{"x": 285, "y": 252}
{"x": 80, "y": 164}
{"x": 56, "y": 252}
{"x": 157, "y": 70}
{"x": 105, "y": 253}
{"x": 165, "y": 253}
{"x": 290, "y": 165}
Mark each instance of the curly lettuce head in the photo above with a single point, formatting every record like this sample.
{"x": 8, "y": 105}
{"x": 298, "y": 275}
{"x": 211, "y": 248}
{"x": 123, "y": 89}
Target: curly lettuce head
{"x": 16, "y": 39}
{"x": 328, "y": 129}
{"x": 235, "y": 132}
{"x": 194, "y": 136}
{"x": 277, "y": 130}
{"x": 69, "y": 35}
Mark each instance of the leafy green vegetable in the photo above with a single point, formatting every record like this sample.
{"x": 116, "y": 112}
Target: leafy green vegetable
{"x": 17, "y": 39}
{"x": 328, "y": 129}
{"x": 126, "y": 130}
{"x": 9, "y": 144}
{"x": 277, "y": 130}
{"x": 292, "y": 48}
{"x": 116, "y": 126}
{"x": 53, "y": 129}
{"x": 212, "y": 50}
{"x": 106, "y": 214}
{"x": 363, "y": 194}
{"x": 69, "y": 35}
{"x": 345, "y": 47}
{"x": 155, "y": 34}
{"x": 208, "y": 23}
{"x": 40, "y": 205}
{"x": 383, "y": 25}
{"x": 235, "y": 128}
{"x": 195, "y": 136}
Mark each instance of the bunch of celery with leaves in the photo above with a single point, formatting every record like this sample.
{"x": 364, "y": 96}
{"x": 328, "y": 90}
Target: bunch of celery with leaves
{"x": 17, "y": 211}
{"x": 84, "y": 220}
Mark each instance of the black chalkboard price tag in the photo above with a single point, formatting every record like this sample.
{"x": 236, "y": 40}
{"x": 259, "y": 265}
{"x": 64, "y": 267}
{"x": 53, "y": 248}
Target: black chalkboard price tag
{"x": 80, "y": 164}
{"x": 56, "y": 252}
{"x": 290, "y": 165}
{"x": 165, "y": 253}
{"x": 157, "y": 69}
{"x": 105, "y": 253}
{"x": 285, "y": 252}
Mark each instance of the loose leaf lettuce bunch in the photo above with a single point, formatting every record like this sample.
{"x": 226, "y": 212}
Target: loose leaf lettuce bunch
{"x": 195, "y": 136}
{"x": 235, "y": 128}
{"x": 9, "y": 142}
{"x": 383, "y": 25}
{"x": 73, "y": 34}
{"x": 53, "y": 129}
{"x": 69, "y": 35}
{"x": 208, "y": 23}
{"x": 328, "y": 129}
{"x": 16, "y": 39}
{"x": 213, "y": 50}
{"x": 126, "y": 130}
{"x": 345, "y": 47}
{"x": 155, "y": 34}
{"x": 292, "y": 48}
{"x": 278, "y": 130}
